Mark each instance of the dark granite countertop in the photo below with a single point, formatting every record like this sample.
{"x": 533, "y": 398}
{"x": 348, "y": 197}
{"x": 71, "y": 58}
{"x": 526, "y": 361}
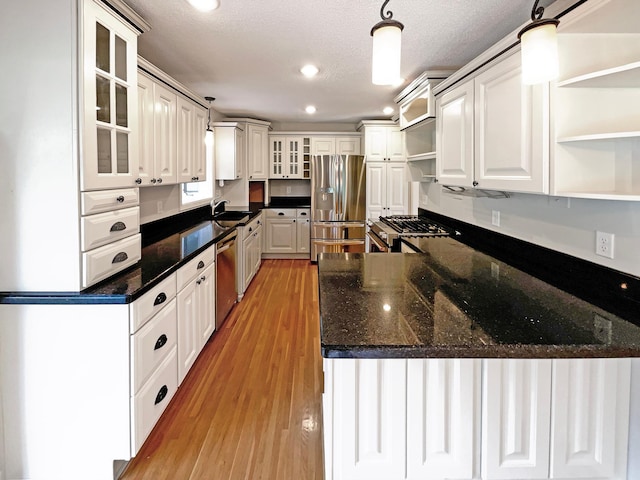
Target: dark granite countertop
{"x": 162, "y": 256}
{"x": 454, "y": 301}
{"x": 289, "y": 202}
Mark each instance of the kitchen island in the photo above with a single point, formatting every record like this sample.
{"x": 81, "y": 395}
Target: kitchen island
{"x": 453, "y": 364}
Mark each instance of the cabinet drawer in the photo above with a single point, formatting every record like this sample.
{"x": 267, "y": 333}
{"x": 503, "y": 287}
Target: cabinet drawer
{"x": 104, "y": 228}
{"x": 187, "y": 272}
{"x": 105, "y": 200}
{"x": 303, "y": 212}
{"x": 103, "y": 262}
{"x": 151, "y": 344}
{"x": 152, "y": 302}
{"x": 281, "y": 212}
{"x": 253, "y": 225}
{"x": 152, "y": 399}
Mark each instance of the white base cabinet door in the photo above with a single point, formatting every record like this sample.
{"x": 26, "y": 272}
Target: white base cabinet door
{"x": 188, "y": 313}
{"x": 516, "y": 417}
{"x": 369, "y": 425}
{"x": 443, "y": 413}
{"x": 591, "y": 418}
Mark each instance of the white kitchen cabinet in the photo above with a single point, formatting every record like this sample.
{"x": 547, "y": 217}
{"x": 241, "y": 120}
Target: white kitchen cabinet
{"x": 443, "y": 403}
{"x": 511, "y": 129}
{"x": 383, "y": 141}
{"x": 386, "y": 189}
{"x": 331, "y": 145}
{"x": 369, "y": 419}
{"x": 249, "y": 253}
{"x": 110, "y": 128}
{"x": 229, "y": 146}
{"x": 590, "y": 422}
{"x": 196, "y": 308}
{"x": 492, "y": 132}
{"x": 258, "y": 152}
{"x": 192, "y": 126}
{"x": 287, "y": 232}
{"x": 454, "y": 135}
{"x": 596, "y": 129}
{"x": 303, "y": 230}
{"x": 281, "y": 235}
{"x": 516, "y": 418}
{"x": 286, "y": 154}
{"x": 157, "y": 127}
{"x": 348, "y": 145}
{"x": 323, "y": 145}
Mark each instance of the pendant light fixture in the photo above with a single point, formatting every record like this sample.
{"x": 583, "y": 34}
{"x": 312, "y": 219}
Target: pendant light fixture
{"x": 387, "y": 42}
{"x": 208, "y": 139}
{"x": 539, "y": 48}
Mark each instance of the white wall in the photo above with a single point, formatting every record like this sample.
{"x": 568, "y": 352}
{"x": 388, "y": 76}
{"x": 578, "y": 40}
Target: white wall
{"x": 565, "y": 225}
{"x": 289, "y": 188}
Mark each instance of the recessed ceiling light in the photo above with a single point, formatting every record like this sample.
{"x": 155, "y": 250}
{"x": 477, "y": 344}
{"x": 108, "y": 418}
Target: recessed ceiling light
{"x": 309, "y": 70}
{"x": 205, "y": 5}
{"x": 310, "y": 109}
{"x": 398, "y": 82}
{"x": 387, "y": 110}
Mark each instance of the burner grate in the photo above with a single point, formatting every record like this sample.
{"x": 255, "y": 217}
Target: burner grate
{"x": 413, "y": 225}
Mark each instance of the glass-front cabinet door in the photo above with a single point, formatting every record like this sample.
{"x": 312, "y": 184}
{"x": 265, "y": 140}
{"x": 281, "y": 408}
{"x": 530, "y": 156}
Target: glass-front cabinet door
{"x": 109, "y": 142}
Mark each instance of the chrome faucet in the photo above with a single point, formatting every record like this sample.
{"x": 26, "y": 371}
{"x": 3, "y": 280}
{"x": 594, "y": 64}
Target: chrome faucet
{"x": 215, "y": 204}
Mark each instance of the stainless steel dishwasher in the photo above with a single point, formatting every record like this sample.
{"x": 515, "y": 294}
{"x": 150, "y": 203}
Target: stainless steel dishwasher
{"x": 226, "y": 294}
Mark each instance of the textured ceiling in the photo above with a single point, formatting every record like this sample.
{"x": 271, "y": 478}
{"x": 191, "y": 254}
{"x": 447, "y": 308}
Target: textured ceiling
{"x": 248, "y": 53}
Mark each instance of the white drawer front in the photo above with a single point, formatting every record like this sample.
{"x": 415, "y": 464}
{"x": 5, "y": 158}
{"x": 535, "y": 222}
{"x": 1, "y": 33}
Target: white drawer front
{"x": 104, "y": 228}
{"x": 187, "y": 272}
{"x": 152, "y": 302}
{"x": 281, "y": 212}
{"x": 152, "y": 399}
{"x": 105, "y": 200}
{"x": 103, "y": 262}
{"x": 303, "y": 212}
{"x": 152, "y": 343}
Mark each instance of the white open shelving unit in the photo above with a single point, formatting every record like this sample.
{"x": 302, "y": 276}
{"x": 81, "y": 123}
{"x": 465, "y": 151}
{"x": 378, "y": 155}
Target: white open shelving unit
{"x": 418, "y": 122}
{"x": 596, "y": 104}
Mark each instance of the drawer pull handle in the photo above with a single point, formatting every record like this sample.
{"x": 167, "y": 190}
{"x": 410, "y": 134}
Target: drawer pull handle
{"x": 120, "y": 257}
{"x": 118, "y": 227}
{"x": 200, "y": 264}
{"x": 120, "y": 199}
{"x": 203, "y": 278}
{"x": 281, "y": 213}
{"x": 161, "y": 342}
{"x": 161, "y": 298}
{"x": 250, "y": 229}
{"x": 161, "y": 394}
{"x": 304, "y": 214}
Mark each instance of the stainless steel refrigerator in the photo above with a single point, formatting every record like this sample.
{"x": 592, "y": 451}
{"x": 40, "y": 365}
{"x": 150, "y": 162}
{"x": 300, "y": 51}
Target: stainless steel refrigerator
{"x": 338, "y": 204}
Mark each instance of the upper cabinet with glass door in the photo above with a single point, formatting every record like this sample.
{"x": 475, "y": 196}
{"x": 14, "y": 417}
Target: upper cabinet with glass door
{"x": 109, "y": 141}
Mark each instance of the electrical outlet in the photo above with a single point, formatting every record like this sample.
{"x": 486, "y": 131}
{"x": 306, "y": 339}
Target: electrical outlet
{"x": 604, "y": 244}
{"x": 288, "y": 189}
{"x": 495, "y": 218}
{"x": 425, "y": 199}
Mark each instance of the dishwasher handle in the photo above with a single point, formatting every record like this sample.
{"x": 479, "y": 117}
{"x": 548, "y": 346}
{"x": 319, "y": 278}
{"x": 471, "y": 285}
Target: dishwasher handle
{"x": 225, "y": 244}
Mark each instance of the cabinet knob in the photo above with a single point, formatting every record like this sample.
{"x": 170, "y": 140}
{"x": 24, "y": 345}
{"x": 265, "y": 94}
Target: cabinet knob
{"x": 198, "y": 282}
{"x": 203, "y": 278}
{"x": 161, "y": 342}
{"x": 475, "y": 184}
{"x": 161, "y": 394}
{"x": 161, "y": 298}
{"x": 118, "y": 227}
{"x": 435, "y": 180}
{"x": 138, "y": 181}
{"x": 153, "y": 180}
{"x": 294, "y": 220}
{"x": 159, "y": 180}
{"x": 120, "y": 257}
{"x": 120, "y": 199}
{"x": 193, "y": 179}
{"x": 200, "y": 265}
{"x": 250, "y": 229}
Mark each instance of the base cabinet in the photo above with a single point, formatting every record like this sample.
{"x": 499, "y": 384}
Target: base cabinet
{"x": 288, "y": 232}
{"x": 250, "y": 253}
{"x": 425, "y": 419}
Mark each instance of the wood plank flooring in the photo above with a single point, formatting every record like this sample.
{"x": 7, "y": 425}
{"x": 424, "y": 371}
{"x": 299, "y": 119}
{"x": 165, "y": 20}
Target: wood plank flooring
{"x": 250, "y": 408}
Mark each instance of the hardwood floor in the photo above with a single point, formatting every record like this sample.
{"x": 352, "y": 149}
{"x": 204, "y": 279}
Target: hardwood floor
{"x": 251, "y": 406}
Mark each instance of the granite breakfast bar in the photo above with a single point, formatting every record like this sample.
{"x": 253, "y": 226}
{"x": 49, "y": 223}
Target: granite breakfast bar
{"x": 453, "y": 364}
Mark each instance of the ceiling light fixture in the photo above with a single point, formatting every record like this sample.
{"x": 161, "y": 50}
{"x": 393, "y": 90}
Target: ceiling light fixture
{"x": 208, "y": 139}
{"x": 539, "y": 48}
{"x": 387, "y": 43}
{"x": 387, "y": 110}
{"x": 310, "y": 109}
{"x": 205, "y": 5}
{"x": 309, "y": 70}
